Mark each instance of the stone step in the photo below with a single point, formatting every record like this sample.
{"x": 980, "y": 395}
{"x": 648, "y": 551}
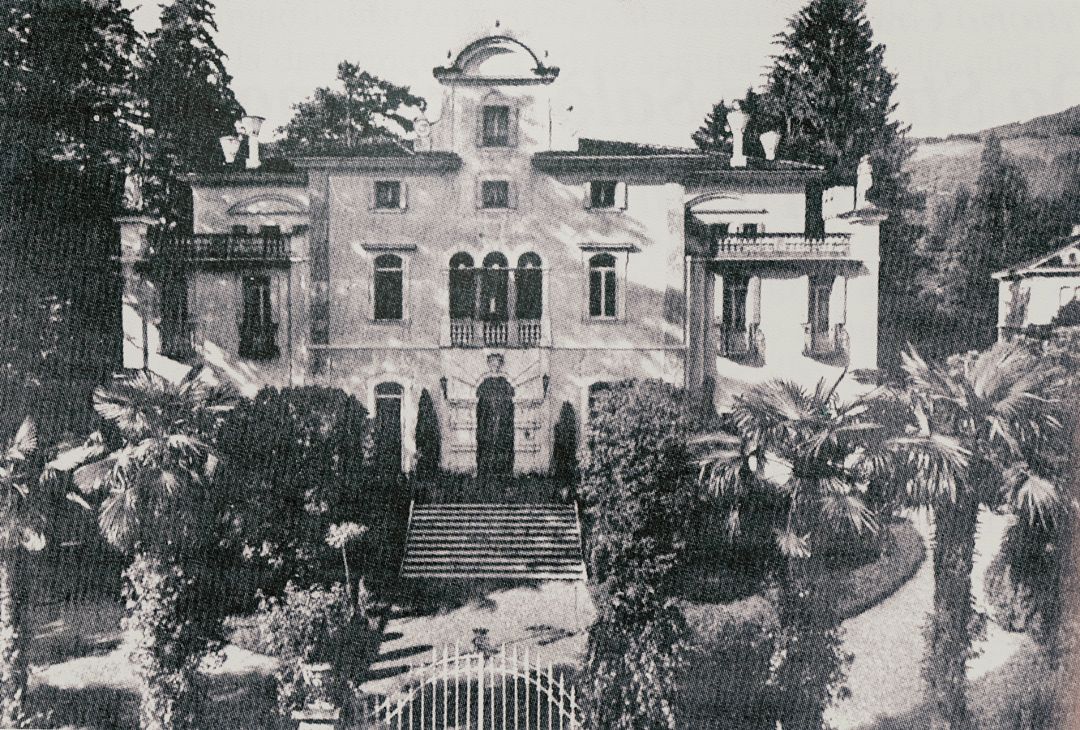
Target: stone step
{"x": 533, "y": 542}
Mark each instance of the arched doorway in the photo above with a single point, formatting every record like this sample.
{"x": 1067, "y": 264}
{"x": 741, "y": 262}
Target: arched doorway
{"x": 495, "y": 427}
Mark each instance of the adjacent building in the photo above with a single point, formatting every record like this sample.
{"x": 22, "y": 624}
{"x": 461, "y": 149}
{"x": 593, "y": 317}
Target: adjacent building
{"x": 1032, "y": 293}
{"x": 507, "y": 267}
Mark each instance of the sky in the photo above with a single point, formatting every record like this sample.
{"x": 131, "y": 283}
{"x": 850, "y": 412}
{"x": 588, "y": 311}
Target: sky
{"x": 649, "y": 70}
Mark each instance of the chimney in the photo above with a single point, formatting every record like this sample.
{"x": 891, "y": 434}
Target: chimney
{"x": 769, "y": 140}
{"x": 736, "y": 120}
{"x": 230, "y": 145}
{"x": 252, "y": 125}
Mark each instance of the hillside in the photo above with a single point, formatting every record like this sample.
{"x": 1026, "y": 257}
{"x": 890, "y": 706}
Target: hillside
{"x": 1046, "y": 149}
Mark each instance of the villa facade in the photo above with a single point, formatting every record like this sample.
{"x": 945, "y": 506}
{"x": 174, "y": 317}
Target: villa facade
{"x": 506, "y": 267}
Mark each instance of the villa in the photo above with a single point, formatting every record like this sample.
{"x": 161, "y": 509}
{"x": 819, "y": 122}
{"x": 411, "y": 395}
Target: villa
{"x": 1032, "y": 293}
{"x": 506, "y": 266}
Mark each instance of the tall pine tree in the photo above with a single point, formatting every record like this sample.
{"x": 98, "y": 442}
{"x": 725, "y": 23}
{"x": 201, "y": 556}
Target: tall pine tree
{"x": 184, "y": 87}
{"x": 828, "y": 92}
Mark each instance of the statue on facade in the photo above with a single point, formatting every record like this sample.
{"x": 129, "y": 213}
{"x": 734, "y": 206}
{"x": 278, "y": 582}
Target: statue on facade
{"x": 865, "y": 181}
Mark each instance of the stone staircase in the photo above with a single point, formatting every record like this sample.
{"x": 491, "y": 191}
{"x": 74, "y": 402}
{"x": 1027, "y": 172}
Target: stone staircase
{"x": 523, "y": 541}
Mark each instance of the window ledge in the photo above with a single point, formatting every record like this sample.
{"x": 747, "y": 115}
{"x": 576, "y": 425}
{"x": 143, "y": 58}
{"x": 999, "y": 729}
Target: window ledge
{"x": 390, "y": 322}
{"x": 602, "y": 320}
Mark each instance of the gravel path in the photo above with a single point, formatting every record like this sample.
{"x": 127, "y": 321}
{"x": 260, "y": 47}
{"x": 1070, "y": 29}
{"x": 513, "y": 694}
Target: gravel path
{"x": 887, "y": 642}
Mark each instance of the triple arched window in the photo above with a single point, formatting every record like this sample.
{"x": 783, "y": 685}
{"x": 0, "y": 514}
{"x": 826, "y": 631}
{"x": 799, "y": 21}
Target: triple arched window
{"x": 494, "y": 290}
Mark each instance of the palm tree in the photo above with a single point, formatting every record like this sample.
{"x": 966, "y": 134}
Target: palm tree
{"x": 802, "y": 457}
{"x": 20, "y": 530}
{"x": 973, "y": 433}
{"x": 158, "y": 508}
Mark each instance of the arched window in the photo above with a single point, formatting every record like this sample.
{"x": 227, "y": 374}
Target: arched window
{"x": 462, "y": 286}
{"x": 494, "y": 288}
{"x": 603, "y": 292}
{"x": 529, "y": 279}
{"x": 389, "y": 287}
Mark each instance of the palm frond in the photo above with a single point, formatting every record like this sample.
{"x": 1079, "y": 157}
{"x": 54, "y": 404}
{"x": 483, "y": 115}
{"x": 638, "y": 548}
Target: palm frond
{"x": 1040, "y": 501}
{"x": 24, "y": 442}
{"x": 792, "y": 545}
{"x": 844, "y": 510}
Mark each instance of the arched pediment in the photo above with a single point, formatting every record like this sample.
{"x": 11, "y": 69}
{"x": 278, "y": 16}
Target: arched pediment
{"x": 494, "y": 55}
{"x": 713, "y": 199}
{"x": 271, "y": 204}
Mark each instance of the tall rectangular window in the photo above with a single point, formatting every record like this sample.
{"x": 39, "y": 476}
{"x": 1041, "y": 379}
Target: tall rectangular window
{"x": 496, "y": 126}
{"x": 389, "y": 288}
{"x": 495, "y": 194}
{"x": 603, "y": 292}
{"x": 735, "y": 289}
{"x": 258, "y": 331}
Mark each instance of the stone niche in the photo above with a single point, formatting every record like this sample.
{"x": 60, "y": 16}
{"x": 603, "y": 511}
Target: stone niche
{"x": 464, "y": 371}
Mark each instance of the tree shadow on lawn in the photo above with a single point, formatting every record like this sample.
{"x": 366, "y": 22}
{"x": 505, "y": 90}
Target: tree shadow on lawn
{"x": 64, "y": 631}
{"x": 234, "y": 701}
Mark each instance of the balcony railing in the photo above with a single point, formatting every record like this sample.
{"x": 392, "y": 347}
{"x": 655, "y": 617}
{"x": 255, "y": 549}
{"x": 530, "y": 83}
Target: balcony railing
{"x": 221, "y": 247}
{"x": 745, "y": 343}
{"x": 514, "y": 333}
{"x": 782, "y": 246}
{"x": 258, "y": 341}
{"x": 825, "y": 343}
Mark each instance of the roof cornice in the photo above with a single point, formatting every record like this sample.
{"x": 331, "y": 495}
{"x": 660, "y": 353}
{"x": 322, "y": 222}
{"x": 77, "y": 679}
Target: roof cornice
{"x": 417, "y": 162}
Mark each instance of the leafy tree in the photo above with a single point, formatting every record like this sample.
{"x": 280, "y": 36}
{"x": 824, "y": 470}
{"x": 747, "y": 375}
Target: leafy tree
{"x": 636, "y": 484}
{"x": 21, "y": 529}
{"x": 65, "y": 112}
{"x": 184, "y": 86}
{"x": 972, "y": 432}
{"x": 160, "y": 508}
{"x": 365, "y": 108}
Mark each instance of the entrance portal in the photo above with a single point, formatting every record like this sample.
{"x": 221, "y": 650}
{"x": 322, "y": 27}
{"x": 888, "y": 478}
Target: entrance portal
{"x": 495, "y": 427}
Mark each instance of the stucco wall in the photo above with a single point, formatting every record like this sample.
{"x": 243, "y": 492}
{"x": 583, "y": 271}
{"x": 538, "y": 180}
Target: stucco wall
{"x": 1034, "y": 299}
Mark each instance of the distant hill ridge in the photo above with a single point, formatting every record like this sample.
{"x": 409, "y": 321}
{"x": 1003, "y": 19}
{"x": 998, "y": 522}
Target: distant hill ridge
{"x": 1046, "y": 150}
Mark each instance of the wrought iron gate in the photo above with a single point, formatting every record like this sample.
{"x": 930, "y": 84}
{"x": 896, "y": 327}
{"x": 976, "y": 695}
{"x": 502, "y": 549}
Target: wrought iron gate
{"x": 506, "y": 691}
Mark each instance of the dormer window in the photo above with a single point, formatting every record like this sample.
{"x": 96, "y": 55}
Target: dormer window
{"x": 496, "y": 126}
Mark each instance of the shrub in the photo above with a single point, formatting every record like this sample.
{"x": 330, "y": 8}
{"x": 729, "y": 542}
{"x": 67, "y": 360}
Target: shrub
{"x": 294, "y": 464}
{"x": 637, "y": 658}
{"x": 1068, "y": 316}
{"x": 304, "y": 626}
{"x": 637, "y": 484}
{"x": 733, "y": 645}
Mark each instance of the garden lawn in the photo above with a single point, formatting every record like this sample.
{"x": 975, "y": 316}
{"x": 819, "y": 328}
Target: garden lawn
{"x": 81, "y": 676}
{"x": 887, "y": 642}
{"x": 551, "y": 618}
